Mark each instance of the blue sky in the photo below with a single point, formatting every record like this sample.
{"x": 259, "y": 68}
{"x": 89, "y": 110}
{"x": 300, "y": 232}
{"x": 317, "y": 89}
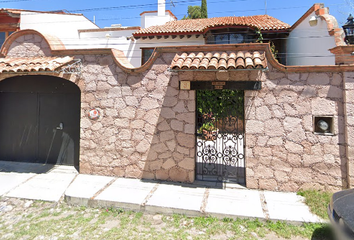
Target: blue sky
{"x": 107, "y": 12}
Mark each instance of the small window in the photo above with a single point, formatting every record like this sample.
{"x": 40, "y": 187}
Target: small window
{"x": 3, "y": 36}
{"x": 323, "y": 125}
{"x": 146, "y": 54}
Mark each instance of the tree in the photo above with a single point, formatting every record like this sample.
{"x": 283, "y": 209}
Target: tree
{"x": 204, "y": 10}
{"x": 193, "y": 12}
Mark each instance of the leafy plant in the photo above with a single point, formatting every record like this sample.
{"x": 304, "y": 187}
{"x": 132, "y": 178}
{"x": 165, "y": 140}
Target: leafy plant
{"x": 218, "y": 104}
{"x": 208, "y": 126}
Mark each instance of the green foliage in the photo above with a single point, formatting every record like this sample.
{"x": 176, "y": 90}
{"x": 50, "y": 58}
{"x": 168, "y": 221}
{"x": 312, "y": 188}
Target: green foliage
{"x": 193, "y": 12}
{"x": 208, "y": 126}
{"x": 317, "y": 201}
{"x": 259, "y": 36}
{"x": 204, "y": 9}
{"x": 218, "y": 104}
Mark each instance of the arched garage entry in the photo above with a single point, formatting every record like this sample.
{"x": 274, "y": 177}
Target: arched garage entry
{"x": 39, "y": 120}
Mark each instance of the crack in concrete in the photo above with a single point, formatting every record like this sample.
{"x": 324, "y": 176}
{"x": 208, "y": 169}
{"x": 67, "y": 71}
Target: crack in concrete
{"x": 102, "y": 189}
{"x": 153, "y": 190}
{"x": 204, "y": 201}
{"x": 264, "y": 205}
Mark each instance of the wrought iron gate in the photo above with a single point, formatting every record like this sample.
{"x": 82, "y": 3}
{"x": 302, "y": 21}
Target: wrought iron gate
{"x": 220, "y": 147}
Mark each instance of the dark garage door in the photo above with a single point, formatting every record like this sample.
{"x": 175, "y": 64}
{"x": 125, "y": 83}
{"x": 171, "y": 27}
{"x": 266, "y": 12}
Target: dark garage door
{"x": 39, "y": 120}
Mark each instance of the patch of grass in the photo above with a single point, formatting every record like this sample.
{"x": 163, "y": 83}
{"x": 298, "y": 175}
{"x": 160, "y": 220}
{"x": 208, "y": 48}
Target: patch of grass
{"x": 317, "y": 201}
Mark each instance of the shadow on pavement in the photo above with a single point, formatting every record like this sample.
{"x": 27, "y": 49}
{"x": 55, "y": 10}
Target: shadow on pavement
{"x": 21, "y": 167}
{"x": 323, "y": 233}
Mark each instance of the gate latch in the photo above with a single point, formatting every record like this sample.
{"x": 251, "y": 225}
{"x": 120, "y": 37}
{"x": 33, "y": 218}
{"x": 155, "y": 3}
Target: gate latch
{"x": 61, "y": 126}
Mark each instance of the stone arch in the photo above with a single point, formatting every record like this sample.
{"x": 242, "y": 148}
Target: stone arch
{"x": 30, "y": 43}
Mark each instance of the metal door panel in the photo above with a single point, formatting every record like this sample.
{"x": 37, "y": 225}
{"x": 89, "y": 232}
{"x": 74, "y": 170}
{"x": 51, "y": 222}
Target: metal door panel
{"x": 59, "y": 128}
{"x": 18, "y": 127}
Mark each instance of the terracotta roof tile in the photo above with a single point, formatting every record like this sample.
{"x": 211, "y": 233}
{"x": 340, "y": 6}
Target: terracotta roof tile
{"x": 33, "y": 64}
{"x": 197, "y": 26}
{"x": 219, "y": 61}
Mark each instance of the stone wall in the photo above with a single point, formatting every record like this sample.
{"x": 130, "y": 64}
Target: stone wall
{"x": 146, "y": 128}
{"x": 282, "y": 151}
{"x": 147, "y": 125}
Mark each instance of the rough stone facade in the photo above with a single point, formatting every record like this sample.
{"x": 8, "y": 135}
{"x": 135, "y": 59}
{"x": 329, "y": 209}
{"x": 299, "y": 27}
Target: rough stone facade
{"x": 147, "y": 125}
{"x": 146, "y": 129}
{"x": 282, "y": 150}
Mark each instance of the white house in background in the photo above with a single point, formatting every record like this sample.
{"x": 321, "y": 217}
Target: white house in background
{"x": 312, "y": 36}
{"x": 300, "y": 44}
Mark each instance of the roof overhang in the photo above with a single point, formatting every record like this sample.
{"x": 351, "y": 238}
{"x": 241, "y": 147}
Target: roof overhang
{"x": 16, "y": 65}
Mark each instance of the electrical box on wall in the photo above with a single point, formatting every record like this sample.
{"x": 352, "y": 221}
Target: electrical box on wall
{"x": 323, "y": 125}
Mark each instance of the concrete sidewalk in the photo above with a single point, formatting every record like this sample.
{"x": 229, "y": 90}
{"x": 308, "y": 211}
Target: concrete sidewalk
{"x": 198, "y": 199}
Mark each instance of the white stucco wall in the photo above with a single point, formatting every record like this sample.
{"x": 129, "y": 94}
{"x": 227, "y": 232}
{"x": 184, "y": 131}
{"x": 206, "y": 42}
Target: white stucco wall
{"x": 64, "y": 26}
{"x": 152, "y": 19}
{"x": 308, "y": 45}
{"x": 131, "y": 49}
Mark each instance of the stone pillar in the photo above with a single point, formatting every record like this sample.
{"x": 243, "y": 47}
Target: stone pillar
{"x": 344, "y": 55}
{"x": 348, "y": 102}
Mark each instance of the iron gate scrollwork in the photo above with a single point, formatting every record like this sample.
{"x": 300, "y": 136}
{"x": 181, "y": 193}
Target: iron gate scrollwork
{"x": 220, "y": 147}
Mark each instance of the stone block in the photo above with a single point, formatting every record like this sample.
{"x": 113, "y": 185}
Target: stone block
{"x": 165, "y": 155}
{"x": 155, "y": 165}
{"x": 143, "y": 146}
{"x": 133, "y": 171}
{"x": 252, "y": 183}
{"x": 162, "y": 174}
{"x": 254, "y": 126}
{"x": 187, "y": 163}
{"x": 138, "y": 124}
{"x": 180, "y": 107}
{"x": 121, "y": 122}
{"x": 262, "y": 141}
{"x": 167, "y": 113}
{"x": 167, "y": 135}
{"x": 281, "y": 176}
{"x": 290, "y": 186}
{"x": 185, "y": 140}
{"x": 278, "y": 111}
{"x": 152, "y": 116}
{"x": 287, "y": 96}
{"x": 125, "y": 134}
{"x": 263, "y": 113}
{"x": 119, "y": 172}
{"x": 273, "y": 128}
{"x": 171, "y": 145}
{"x": 170, "y": 101}
{"x": 189, "y": 128}
{"x": 159, "y": 148}
{"x": 147, "y": 104}
{"x": 178, "y": 175}
{"x": 301, "y": 175}
{"x": 294, "y": 147}
{"x": 318, "y": 79}
{"x": 169, "y": 163}
{"x": 268, "y": 184}
{"x": 187, "y": 117}
{"x": 177, "y": 125}
{"x": 131, "y": 101}
{"x": 261, "y": 172}
{"x": 275, "y": 141}
{"x": 321, "y": 106}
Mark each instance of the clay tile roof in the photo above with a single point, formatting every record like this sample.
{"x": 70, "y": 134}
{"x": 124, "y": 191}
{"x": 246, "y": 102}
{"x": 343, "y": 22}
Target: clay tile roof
{"x": 197, "y": 26}
{"x": 219, "y": 61}
{"x": 33, "y": 64}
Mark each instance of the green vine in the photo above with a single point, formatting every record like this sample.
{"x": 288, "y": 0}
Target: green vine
{"x": 219, "y": 104}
